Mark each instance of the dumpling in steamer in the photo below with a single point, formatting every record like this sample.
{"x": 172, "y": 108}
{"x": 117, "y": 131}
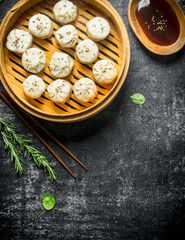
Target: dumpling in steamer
{"x": 40, "y": 26}
{"x": 34, "y": 60}
{"x": 67, "y": 36}
{"x": 85, "y": 90}
{"x": 34, "y": 87}
{"x": 98, "y": 28}
{"x": 59, "y": 91}
{"x": 19, "y": 41}
{"x": 65, "y": 11}
{"x": 105, "y": 72}
{"x": 87, "y": 51}
{"x": 61, "y": 65}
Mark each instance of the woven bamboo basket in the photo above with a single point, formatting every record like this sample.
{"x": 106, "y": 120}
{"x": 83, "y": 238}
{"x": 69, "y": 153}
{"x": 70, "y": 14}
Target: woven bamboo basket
{"x": 115, "y": 47}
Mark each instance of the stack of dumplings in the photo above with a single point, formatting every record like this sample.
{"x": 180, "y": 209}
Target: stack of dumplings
{"x": 61, "y": 64}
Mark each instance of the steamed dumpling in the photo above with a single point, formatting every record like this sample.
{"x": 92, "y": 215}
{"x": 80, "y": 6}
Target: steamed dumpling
{"x": 65, "y": 11}
{"x": 87, "y": 51}
{"x": 85, "y": 90}
{"x": 19, "y": 41}
{"x": 34, "y": 60}
{"x": 105, "y": 72}
{"x": 40, "y": 26}
{"x": 61, "y": 65}
{"x": 98, "y": 28}
{"x": 67, "y": 36}
{"x": 34, "y": 87}
{"x": 59, "y": 91}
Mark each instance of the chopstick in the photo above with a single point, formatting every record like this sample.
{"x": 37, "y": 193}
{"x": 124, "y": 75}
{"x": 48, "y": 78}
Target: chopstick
{"x": 6, "y": 99}
{"x": 33, "y": 119}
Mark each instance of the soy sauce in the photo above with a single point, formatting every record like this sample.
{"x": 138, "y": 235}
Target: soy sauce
{"x": 158, "y": 21}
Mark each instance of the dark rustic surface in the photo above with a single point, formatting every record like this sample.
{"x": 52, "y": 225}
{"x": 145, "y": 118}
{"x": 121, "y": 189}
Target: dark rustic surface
{"x": 135, "y": 186}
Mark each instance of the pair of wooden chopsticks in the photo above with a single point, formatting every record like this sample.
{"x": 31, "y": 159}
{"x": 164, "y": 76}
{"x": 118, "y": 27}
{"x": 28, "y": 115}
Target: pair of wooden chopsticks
{"x": 10, "y": 103}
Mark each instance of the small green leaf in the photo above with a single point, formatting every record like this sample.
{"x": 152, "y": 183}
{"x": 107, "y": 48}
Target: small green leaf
{"x": 138, "y": 98}
{"x": 48, "y": 201}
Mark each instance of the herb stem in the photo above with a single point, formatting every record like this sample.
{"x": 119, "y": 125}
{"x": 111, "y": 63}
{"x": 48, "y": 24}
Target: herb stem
{"x": 14, "y": 153}
{"x": 14, "y": 142}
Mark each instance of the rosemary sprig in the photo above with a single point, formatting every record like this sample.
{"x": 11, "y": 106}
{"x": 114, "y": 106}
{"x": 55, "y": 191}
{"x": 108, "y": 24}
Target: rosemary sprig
{"x": 14, "y": 153}
{"x": 41, "y": 161}
{"x": 13, "y": 139}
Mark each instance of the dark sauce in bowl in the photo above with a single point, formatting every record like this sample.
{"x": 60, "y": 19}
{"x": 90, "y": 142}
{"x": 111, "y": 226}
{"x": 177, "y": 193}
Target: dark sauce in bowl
{"x": 158, "y": 21}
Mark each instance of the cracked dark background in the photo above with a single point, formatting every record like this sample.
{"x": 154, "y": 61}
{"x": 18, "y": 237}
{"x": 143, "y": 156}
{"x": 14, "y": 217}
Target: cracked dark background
{"x": 135, "y": 186}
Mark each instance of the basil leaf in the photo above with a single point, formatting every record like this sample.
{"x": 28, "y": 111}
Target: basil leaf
{"x": 138, "y": 98}
{"x": 48, "y": 201}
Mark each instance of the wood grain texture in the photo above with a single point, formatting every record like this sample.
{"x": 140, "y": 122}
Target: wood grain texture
{"x": 161, "y": 50}
{"x": 115, "y": 47}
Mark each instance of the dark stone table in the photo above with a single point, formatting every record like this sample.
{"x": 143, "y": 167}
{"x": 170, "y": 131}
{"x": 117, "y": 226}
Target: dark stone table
{"x": 135, "y": 186}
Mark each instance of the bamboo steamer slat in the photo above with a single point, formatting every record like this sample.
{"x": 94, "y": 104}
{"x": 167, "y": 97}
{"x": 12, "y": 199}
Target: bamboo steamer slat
{"x": 115, "y": 47}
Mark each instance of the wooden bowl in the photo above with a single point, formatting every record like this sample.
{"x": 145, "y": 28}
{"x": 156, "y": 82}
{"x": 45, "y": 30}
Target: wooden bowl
{"x": 161, "y": 50}
{"x": 115, "y": 47}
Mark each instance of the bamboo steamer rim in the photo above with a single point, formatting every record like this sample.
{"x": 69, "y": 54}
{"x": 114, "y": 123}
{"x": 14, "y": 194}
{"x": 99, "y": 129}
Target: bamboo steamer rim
{"x": 90, "y": 111}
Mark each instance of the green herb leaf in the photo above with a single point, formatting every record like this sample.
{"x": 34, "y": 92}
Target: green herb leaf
{"x": 15, "y": 143}
{"x": 40, "y": 161}
{"x": 14, "y": 153}
{"x": 48, "y": 201}
{"x": 138, "y": 98}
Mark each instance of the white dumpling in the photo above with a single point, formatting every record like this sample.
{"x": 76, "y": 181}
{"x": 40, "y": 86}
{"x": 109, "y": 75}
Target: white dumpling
{"x": 87, "y": 51}
{"x": 67, "y": 36}
{"x": 34, "y": 87}
{"x": 65, "y": 11}
{"x": 85, "y": 90}
{"x": 61, "y": 65}
{"x": 40, "y": 26}
{"x": 98, "y": 28}
{"x": 105, "y": 72}
{"x": 34, "y": 60}
{"x": 19, "y": 41}
{"x": 59, "y": 91}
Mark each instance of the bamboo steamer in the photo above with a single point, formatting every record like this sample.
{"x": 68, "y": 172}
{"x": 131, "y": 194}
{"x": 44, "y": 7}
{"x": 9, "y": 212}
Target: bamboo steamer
{"x": 115, "y": 47}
